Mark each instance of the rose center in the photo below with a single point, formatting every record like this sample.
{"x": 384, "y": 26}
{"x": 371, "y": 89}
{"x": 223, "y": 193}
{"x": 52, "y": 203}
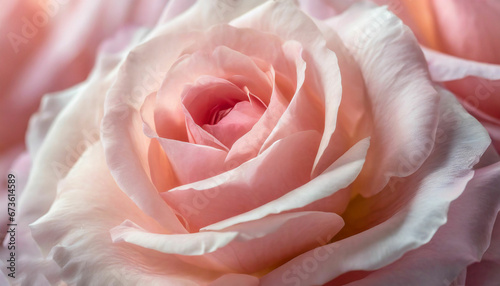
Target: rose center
{"x": 221, "y": 110}
{"x": 218, "y": 114}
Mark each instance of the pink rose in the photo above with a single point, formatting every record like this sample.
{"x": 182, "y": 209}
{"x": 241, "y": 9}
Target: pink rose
{"x": 246, "y": 143}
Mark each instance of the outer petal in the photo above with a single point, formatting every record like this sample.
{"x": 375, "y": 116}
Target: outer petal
{"x": 468, "y": 29}
{"x": 42, "y": 39}
{"x": 405, "y": 219}
{"x": 248, "y": 247}
{"x": 252, "y": 143}
{"x": 80, "y": 242}
{"x": 477, "y": 85}
{"x": 50, "y": 107}
{"x": 460, "y": 242}
{"x": 403, "y": 100}
{"x": 487, "y": 271}
{"x": 55, "y": 157}
{"x": 321, "y": 193}
{"x": 447, "y": 68}
{"x": 354, "y": 118}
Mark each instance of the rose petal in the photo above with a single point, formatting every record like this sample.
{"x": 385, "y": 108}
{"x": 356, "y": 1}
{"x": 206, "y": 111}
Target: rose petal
{"x": 236, "y": 279}
{"x": 126, "y": 147}
{"x": 324, "y": 90}
{"x": 486, "y": 272}
{"x": 251, "y": 144}
{"x": 313, "y": 195}
{"x": 477, "y": 85}
{"x": 460, "y": 242}
{"x": 323, "y": 9}
{"x": 43, "y": 39}
{"x": 79, "y": 240}
{"x": 403, "y": 101}
{"x": 247, "y": 247}
{"x": 354, "y": 115}
{"x": 187, "y": 161}
{"x": 447, "y": 68}
{"x": 53, "y": 161}
{"x": 467, "y": 29}
{"x": 50, "y": 106}
{"x": 303, "y": 112}
{"x": 192, "y": 162}
{"x": 285, "y": 166}
{"x": 404, "y": 220}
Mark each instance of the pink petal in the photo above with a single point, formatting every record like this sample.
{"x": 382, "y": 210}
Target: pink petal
{"x": 303, "y": 112}
{"x": 477, "y": 85}
{"x": 468, "y": 29}
{"x": 247, "y": 247}
{"x": 54, "y": 159}
{"x": 285, "y": 166}
{"x": 50, "y": 107}
{"x": 80, "y": 242}
{"x": 41, "y": 62}
{"x": 323, "y": 9}
{"x": 354, "y": 115}
{"x": 447, "y": 68}
{"x": 192, "y": 162}
{"x": 486, "y": 272}
{"x": 403, "y": 101}
{"x": 236, "y": 279}
{"x": 126, "y": 146}
{"x": 323, "y": 81}
{"x": 403, "y": 216}
{"x": 184, "y": 161}
{"x": 323, "y": 193}
{"x": 249, "y": 145}
{"x": 461, "y": 241}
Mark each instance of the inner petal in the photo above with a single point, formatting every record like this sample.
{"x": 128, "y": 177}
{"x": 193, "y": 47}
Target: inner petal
{"x": 208, "y": 96}
{"x": 228, "y": 125}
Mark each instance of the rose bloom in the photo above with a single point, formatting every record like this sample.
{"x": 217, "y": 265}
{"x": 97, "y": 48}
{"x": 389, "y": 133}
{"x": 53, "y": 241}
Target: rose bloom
{"x": 250, "y": 143}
